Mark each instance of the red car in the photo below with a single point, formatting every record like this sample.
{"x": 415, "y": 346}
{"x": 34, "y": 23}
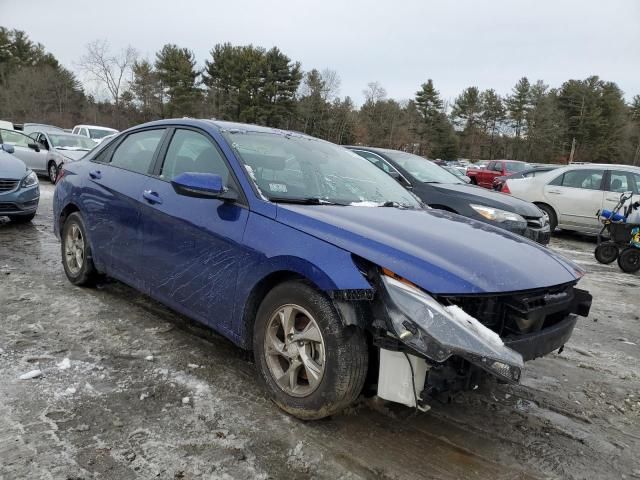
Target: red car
{"x": 495, "y": 168}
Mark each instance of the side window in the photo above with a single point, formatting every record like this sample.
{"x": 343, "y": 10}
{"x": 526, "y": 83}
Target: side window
{"x": 620, "y": 181}
{"x": 190, "y": 151}
{"x": 15, "y": 138}
{"x": 635, "y": 182}
{"x": 83, "y": 132}
{"x": 136, "y": 152}
{"x": 372, "y": 158}
{"x": 587, "y": 179}
{"x": 75, "y": 131}
{"x": 497, "y": 166}
{"x": 490, "y": 165}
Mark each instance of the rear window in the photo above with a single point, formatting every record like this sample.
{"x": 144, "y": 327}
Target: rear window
{"x": 515, "y": 167}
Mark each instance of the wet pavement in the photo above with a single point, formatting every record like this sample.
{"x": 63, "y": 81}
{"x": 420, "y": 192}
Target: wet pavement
{"x": 129, "y": 389}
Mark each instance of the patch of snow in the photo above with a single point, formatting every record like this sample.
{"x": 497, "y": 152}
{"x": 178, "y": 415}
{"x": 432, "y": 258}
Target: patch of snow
{"x": 64, "y": 364}
{"x": 149, "y": 358}
{"x": 144, "y": 395}
{"x": 186, "y": 400}
{"x": 70, "y": 391}
{"x": 29, "y": 375}
{"x": 193, "y": 365}
{"x": 365, "y": 204}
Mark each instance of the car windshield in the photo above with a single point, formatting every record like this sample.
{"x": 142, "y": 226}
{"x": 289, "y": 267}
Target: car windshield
{"x": 422, "y": 169}
{"x": 71, "y": 142}
{"x": 515, "y": 166}
{"x": 100, "y": 133}
{"x": 296, "y": 168}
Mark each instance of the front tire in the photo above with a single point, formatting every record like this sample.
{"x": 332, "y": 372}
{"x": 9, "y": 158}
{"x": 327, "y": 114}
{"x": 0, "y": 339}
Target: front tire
{"x": 629, "y": 260}
{"x": 606, "y": 252}
{"x": 52, "y": 171}
{"x": 551, "y": 214}
{"x": 310, "y": 363}
{"x": 76, "y": 252}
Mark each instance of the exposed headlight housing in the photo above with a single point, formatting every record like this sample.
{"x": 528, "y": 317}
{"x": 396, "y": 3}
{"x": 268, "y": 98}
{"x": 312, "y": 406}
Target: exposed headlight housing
{"x": 438, "y": 332}
{"x": 29, "y": 181}
{"x": 497, "y": 215}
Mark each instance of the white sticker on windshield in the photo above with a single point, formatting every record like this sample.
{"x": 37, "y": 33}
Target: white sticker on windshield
{"x": 278, "y": 187}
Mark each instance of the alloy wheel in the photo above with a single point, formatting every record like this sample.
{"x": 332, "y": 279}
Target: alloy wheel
{"x": 294, "y": 350}
{"x": 74, "y": 249}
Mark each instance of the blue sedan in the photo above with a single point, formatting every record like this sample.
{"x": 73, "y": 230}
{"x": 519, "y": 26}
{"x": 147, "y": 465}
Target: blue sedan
{"x": 319, "y": 262}
{"x": 19, "y": 189}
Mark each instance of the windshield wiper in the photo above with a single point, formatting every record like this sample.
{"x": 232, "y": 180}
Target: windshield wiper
{"x": 393, "y": 204}
{"x": 305, "y": 201}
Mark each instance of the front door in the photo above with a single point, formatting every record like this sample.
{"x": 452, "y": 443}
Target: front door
{"x": 192, "y": 247}
{"x": 577, "y": 196}
{"x": 117, "y": 178}
{"x": 35, "y": 160}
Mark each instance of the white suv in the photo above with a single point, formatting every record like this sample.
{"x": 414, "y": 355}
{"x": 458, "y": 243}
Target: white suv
{"x": 94, "y": 132}
{"x": 571, "y": 196}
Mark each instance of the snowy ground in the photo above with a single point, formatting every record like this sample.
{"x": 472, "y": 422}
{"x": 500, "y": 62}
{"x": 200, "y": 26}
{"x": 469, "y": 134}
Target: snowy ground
{"x": 128, "y": 389}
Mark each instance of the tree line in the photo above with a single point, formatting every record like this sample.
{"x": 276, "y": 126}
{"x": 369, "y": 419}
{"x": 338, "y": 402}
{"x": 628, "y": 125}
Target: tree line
{"x": 534, "y": 122}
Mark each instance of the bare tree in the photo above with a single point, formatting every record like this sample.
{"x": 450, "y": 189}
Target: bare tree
{"x": 331, "y": 84}
{"x": 108, "y": 69}
{"x": 374, "y": 93}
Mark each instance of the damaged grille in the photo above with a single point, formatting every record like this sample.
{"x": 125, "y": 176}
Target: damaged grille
{"x": 522, "y": 313}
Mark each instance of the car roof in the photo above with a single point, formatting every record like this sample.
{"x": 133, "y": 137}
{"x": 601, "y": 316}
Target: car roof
{"x": 96, "y": 126}
{"x": 606, "y": 166}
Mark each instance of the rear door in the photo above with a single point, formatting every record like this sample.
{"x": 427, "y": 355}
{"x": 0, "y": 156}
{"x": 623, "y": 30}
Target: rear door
{"x": 193, "y": 246}
{"x": 117, "y": 180}
{"x": 577, "y": 196}
{"x": 619, "y": 182}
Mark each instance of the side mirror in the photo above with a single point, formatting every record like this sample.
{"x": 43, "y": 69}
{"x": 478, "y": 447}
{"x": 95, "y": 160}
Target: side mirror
{"x": 202, "y": 185}
{"x": 33, "y": 146}
{"x": 8, "y": 148}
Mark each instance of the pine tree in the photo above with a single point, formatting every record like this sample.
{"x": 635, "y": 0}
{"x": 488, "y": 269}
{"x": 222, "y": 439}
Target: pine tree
{"x": 517, "y": 106}
{"x": 493, "y": 114}
{"x": 177, "y": 75}
{"x": 429, "y": 106}
{"x": 467, "y": 114}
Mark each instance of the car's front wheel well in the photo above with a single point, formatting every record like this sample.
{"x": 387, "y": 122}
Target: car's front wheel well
{"x": 551, "y": 212}
{"x": 257, "y": 295}
{"x": 66, "y": 211}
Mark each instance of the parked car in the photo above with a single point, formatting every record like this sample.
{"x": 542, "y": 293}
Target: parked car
{"x": 29, "y": 128}
{"x": 27, "y": 150}
{"x": 442, "y": 190}
{"x": 498, "y": 182}
{"x": 318, "y": 261}
{"x": 5, "y": 125}
{"x": 572, "y": 195}
{"x": 483, "y": 176}
{"x": 19, "y": 190}
{"x": 61, "y": 148}
{"x": 94, "y": 132}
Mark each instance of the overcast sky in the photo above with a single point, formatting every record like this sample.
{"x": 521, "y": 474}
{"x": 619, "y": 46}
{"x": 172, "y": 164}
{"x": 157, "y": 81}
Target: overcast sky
{"x": 399, "y": 43}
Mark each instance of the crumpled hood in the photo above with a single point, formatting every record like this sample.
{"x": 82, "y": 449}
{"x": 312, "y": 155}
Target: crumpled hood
{"x": 490, "y": 198}
{"x": 11, "y": 167}
{"x": 72, "y": 154}
{"x": 443, "y": 253}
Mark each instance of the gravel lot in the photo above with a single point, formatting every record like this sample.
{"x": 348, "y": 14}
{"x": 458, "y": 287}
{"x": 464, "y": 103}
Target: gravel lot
{"x": 130, "y": 389}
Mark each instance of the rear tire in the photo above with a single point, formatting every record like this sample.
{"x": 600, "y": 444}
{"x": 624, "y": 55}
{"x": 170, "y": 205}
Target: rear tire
{"x": 629, "y": 260}
{"x": 606, "y": 252}
{"x": 76, "y": 252}
{"x": 553, "y": 218}
{"x": 473, "y": 181}
{"x": 339, "y": 356}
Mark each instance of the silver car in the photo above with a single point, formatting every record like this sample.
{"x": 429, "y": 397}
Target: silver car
{"x": 26, "y": 149}
{"x": 61, "y": 147}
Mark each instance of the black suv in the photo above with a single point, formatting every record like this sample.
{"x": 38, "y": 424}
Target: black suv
{"x": 442, "y": 190}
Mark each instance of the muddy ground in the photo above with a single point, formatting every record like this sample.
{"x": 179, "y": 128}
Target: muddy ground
{"x": 130, "y": 389}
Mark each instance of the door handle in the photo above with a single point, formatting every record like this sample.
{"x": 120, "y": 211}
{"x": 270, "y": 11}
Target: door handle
{"x": 96, "y": 174}
{"x": 152, "y": 197}
{"x": 613, "y": 199}
{"x": 555, "y": 192}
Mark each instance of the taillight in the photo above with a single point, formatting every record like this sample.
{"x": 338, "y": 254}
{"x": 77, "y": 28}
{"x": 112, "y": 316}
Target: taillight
{"x": 505, "y": 188}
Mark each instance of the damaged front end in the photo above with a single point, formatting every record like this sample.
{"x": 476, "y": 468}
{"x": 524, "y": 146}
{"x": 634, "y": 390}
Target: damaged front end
{"x": 438, "y": 345}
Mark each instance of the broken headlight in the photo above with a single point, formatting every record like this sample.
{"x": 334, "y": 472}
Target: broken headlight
{"x": 499, "y": 216}
{"x": 437, "y": 331}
